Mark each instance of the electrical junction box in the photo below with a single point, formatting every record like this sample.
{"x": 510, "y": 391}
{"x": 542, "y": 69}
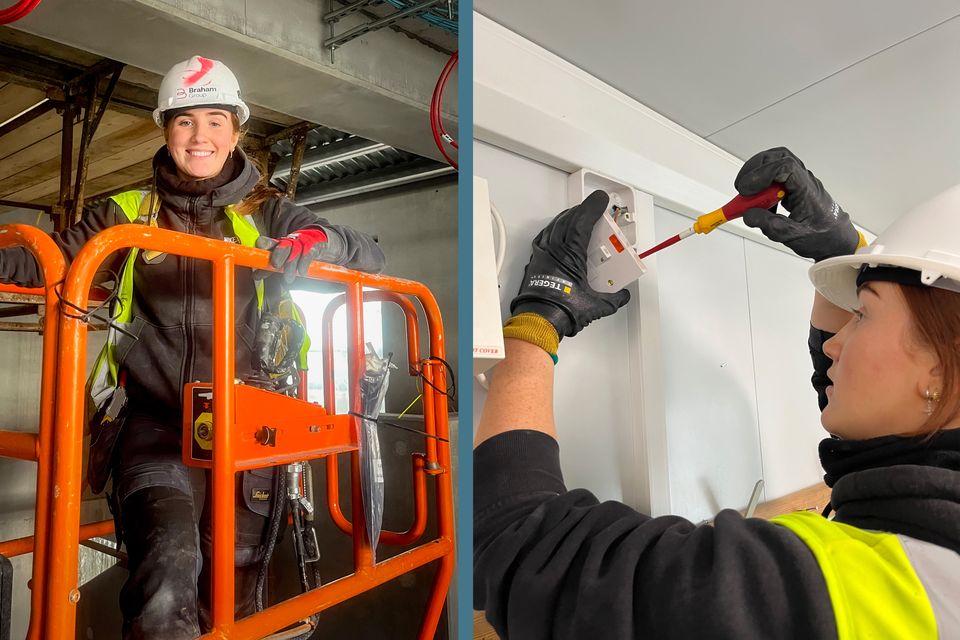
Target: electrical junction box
{"x": 612, "y": 261}
{"x": 487, "y": 323}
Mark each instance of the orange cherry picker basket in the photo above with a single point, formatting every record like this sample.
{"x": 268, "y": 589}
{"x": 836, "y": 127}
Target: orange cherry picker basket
{"x": 306, "y": 432}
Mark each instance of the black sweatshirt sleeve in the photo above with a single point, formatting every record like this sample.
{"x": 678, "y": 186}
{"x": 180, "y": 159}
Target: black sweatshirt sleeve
{"x": 345, "y": 246}
{"x": 556, "y": 564}
{"x": 821, "y": 362}
{"x": 18, "y": 266}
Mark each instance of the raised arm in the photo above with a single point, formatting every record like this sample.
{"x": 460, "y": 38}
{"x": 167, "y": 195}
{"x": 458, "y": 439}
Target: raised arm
{"x": 817, "y": 228}
{"x": 554, "y": 302}
{"x": 18, "y": 266}
{"x": 556, "y": 564}
{"x": 297, "y": 236}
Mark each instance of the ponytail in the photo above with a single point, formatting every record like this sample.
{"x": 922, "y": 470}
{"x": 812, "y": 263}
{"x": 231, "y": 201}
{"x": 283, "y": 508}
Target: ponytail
{"x": 262, "y": 192}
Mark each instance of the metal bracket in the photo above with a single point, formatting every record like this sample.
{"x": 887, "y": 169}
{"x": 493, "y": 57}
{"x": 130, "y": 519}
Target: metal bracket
{"x": 335, "y": 41}
{"x": 333, "y": 16}
{"x": 91, "y": 120}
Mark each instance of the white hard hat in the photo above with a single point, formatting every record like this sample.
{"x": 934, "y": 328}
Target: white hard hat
{"x": 199, "y": 82}
{"x": 925, "y": 240}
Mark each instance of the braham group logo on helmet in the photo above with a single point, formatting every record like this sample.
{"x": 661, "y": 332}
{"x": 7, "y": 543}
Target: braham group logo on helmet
{"x": 198, "y": 82}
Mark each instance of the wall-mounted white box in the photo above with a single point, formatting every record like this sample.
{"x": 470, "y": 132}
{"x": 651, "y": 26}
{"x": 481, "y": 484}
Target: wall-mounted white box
{"x": 487, "y": 325}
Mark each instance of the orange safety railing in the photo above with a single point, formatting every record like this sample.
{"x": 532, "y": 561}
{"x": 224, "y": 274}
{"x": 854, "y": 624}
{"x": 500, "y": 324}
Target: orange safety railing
{"x": 61, "y": 594}
{"x": 39, "y": 447}
{"x": 420, "y": 462}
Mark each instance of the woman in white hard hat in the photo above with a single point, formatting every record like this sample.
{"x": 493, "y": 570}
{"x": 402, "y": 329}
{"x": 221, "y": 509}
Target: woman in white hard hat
{"x": 553, "y": 563}
{"x": 204, "y": 185}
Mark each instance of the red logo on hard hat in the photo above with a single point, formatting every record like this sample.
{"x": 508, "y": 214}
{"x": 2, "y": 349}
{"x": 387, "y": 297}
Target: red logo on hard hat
{"x": 181, "y": 93}
{"x": 205, "y": 66}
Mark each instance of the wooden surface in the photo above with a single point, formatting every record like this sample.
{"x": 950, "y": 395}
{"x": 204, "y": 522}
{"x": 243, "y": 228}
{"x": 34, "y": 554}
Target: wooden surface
{"x": 482, "y": 629}
{"x": 119, "y": 154}
{"x": 15, "y": 99}
{"x": 811, "y": 498}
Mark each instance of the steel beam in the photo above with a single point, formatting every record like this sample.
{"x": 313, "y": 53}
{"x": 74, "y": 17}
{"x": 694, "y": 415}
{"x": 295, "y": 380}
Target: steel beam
{"x": 289, "y": 132}
{"x": 346, "y": 149}
{"x": 90, "y": 123}
{"x": 22, "y": 298}
{"x": 66, "y": 162}
{"x": 27, "y": 116}
{"x": 333, "y": 16}
{"x": 17, "y": 310}
{"x": 28, "y": 69}
{"x": 26, "y": 205}
{"x": 367, "y": 27}
{"x": 416, "y": 171}
{"x": 299, "y": 144}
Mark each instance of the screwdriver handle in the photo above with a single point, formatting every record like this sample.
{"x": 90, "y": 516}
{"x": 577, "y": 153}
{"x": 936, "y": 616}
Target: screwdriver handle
{"x": 738, "y": 206}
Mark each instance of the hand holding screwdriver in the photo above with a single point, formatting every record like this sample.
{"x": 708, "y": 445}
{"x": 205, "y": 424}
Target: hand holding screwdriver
{"x": 817, "y": 227}
{"x": 734, "y": 209}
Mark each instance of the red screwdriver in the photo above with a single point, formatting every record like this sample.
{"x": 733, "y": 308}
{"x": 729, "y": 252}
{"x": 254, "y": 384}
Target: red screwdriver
{"x": 730, "y": 211}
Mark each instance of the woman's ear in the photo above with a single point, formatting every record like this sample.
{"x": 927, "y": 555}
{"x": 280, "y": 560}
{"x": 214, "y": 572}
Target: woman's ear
{"x": 932, "y": 382}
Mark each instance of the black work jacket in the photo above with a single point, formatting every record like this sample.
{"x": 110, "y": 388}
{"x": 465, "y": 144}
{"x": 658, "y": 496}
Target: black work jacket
{"x": 553, "y": 563}
{"x": 172, "y": 305}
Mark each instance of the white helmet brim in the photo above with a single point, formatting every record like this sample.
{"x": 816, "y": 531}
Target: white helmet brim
{"x": 925, "y": 240}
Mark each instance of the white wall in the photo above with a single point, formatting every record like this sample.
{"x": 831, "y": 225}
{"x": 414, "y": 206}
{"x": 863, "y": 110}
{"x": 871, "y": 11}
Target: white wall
{"x": 733, "y": 307}
{"x": 591, "y": 379}
{"x": 734, "y": 317}
{"x": 739, "y": 405}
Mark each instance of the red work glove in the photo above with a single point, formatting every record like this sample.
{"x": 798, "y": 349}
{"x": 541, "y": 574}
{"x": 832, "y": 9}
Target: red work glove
{"x": 294, "y": 252}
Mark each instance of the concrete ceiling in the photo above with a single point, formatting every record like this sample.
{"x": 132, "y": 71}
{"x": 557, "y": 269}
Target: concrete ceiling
{"x": 336, "y": 164}
{"x": 864, "y": 92}
{"x": 33, "y": 69}
{"x": 377, "y": 86}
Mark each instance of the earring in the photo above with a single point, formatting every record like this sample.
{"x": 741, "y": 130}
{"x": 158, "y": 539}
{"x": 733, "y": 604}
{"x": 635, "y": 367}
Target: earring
{"x": 932, "y": 398}
{"x": 231, "y": 153}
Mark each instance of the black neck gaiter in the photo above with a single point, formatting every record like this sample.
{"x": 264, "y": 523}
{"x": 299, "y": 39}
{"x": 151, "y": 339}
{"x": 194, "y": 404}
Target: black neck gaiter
{"x": 909, "y": 486}
{"x": 840, "y": 457}
{"x": 170, "y": 181}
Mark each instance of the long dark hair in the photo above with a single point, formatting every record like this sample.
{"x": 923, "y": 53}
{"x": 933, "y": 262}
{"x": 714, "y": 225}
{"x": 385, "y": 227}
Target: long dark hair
{"x": 262, "y": 192}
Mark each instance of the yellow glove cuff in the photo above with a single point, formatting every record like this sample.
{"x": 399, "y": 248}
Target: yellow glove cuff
{"x": 535, "y": 329}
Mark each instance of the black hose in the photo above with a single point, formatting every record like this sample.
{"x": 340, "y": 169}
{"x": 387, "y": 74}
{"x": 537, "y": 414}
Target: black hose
{"x": 273, "y": 531}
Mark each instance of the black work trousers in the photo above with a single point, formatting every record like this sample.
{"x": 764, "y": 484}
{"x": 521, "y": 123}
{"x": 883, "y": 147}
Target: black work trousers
{"x": 165, "y": 511}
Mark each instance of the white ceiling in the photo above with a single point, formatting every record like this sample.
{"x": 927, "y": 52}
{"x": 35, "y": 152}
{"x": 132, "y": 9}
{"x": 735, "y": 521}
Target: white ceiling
{"x": 867, "y": 93}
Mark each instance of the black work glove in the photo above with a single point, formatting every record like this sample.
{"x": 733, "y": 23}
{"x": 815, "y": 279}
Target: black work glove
{"x": 555, "y": 281}
{"x": 817, "y": 227}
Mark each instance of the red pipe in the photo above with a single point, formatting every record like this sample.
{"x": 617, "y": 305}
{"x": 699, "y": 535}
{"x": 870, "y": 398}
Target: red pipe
{"x": 454, "y": 60}
{"x": 17, "y": 11}
{"x": 436, "y": 123}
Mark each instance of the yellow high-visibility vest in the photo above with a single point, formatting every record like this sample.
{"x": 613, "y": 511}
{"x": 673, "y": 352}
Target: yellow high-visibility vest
{"x": 873, "y": 587}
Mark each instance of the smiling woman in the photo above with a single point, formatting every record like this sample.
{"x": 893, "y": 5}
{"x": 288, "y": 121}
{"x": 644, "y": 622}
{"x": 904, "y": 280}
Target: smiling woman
{"x": 203, "y": 184}
{"x": 200, "y": 140}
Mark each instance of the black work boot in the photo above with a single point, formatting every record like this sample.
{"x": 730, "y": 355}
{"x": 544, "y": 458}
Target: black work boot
{"x": 159, "y": 599}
